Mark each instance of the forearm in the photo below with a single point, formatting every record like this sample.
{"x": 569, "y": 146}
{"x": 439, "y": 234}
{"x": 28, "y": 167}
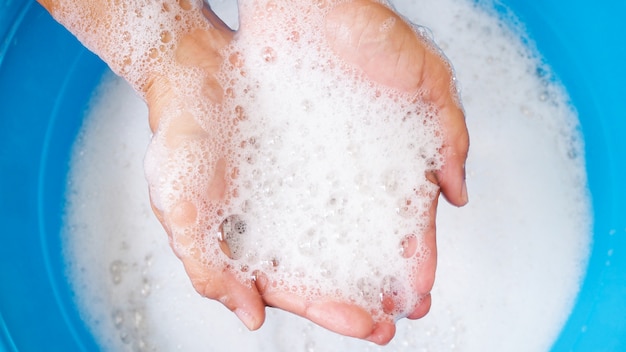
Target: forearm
{"x": 137, "y": 39}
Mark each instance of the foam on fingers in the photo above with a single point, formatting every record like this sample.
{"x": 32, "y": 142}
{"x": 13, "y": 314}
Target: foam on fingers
{"x": 307, "y": 171}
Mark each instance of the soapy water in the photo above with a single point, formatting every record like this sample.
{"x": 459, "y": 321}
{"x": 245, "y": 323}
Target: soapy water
{"x": 509, "y": 263}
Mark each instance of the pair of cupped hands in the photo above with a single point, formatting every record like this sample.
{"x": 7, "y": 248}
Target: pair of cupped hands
{"x": 397, "y": 58}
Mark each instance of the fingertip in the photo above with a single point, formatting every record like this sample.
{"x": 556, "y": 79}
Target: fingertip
{"x": 464, "y": 195}
{"x": 451, "y": 179}
{"x": 242, "y": 298}
{"x": 342, "y": 318}
{"x": 422, "y": 309}
{"x": 247, "y": 305}
{"x": 383, "y": 333}
{"x": 252, "y": 321}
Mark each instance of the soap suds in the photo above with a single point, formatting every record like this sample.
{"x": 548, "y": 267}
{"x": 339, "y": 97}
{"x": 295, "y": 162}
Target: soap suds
{"x": 510, "y": 263}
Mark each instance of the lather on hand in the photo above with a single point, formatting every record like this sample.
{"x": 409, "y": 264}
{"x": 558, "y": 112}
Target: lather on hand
{"x": 398, "y": 58}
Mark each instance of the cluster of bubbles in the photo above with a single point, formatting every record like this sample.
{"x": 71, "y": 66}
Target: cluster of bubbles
{"x": 329, "y": 190}
{"x": 131, "y": 322}
{"x": 304, "y": 170}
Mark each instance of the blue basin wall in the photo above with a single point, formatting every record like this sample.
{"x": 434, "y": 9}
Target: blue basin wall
{"x": 47, "y": 78}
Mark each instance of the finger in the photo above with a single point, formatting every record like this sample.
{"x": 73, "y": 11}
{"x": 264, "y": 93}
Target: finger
{"x": 404, "y": 60}
{"x": 343, "y": 318}
{"x": 383, "y": 333}
{"x": 220, "y": 284}
{"x": 425, "y": 274}
{"x": 422, "y": 308}
{"x": 451, "y": 177}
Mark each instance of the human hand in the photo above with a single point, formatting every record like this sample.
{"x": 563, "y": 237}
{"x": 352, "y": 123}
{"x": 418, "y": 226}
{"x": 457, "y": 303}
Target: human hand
{"x": 398, "y": 59}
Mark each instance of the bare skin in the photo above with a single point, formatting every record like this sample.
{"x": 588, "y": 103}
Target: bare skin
{"x": 397, "y": 58}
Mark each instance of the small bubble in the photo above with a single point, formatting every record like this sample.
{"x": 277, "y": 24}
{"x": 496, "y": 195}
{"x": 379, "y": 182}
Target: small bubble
{"x": 115, "y": 269}
{"x": 146, "y": 288}
{"x": 367, "y": 288}
{"x": 405, "y": 208}
{"x": 408, "y": 246}
{"x": 432, "y": 163}
{"x": 251, "y": 256}
{"x": 306, "y": 248}
{"x": 390, "y": 181}
{"x": 321, "y": 4}
{"x": 252, "y": 141}
{"x": 543, "y": 96}
{"x": 185, "y": 4}
{"x": 127, "y": 61}
{"x": 327, "y": 269}
{"x": 572, "y": 153}
{"x": 354, "y": 149}
{"x": 166, "y": 37}
{"x": 541, "y": 72}
{"x": 142, "y": 345}
{"x": 229, "y": 92}
{"x": 343, "y": 237}
{"x": 124, "y": 337}
{"x": 236, "y": 59}
{"x": 231, "y": 231}
{"x": 118, "y": 318}
{"x": 270, "y": 6}
{"x": 240, "y": 113}
{"x": 307, "y": 105}
{"x": 271, "y": 263}
{"x": 392, "y": 296}
{"x": 268, "y": 54}
{"x": 138, "y": 318}
{"x": 322, "y": 243}
{"x": 234, "y": 174}
{"x": 294, "y": 36}
{"x": 309, "y": 346}
{"x": 245, "y": 206}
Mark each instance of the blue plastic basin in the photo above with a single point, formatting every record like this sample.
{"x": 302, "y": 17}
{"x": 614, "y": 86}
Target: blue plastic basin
{"x": 47, "y": 77}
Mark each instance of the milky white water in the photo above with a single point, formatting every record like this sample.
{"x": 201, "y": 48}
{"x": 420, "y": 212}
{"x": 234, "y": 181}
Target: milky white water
{"x": 509, "y": 263}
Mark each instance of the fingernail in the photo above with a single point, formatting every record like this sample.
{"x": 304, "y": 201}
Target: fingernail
{"x": 247, "y": 319}
{"x": 464, "y": 196}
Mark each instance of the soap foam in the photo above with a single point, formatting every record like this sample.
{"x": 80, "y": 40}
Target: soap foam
{"x": 497, "y": 256}
{"x": 322, "y": 166}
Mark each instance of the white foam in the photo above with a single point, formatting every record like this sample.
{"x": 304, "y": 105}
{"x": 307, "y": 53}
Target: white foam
{"x": 509, "y": 263}
{"x": 334, "y": 126}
